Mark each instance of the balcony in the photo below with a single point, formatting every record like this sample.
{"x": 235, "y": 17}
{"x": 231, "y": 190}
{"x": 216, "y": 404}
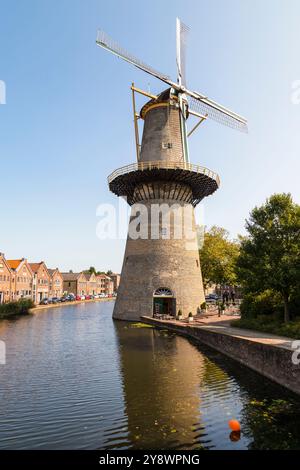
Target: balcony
{"x": 202, "y": 181}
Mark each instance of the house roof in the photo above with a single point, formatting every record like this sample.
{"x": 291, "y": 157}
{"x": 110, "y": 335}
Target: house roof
{"x": 53, "y": 271}
{"x": 70, "y": 276}
{"x": 5, "y": 261}
{"x": 14, "y": 263}
{"x": 103, "y": 275}
{"x": 35, "y": 266}
{"x": 88, "y": 275}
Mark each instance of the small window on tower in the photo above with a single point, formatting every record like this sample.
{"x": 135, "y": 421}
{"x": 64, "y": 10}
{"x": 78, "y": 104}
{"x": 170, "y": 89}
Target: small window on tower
{"x": 166, "y": 145}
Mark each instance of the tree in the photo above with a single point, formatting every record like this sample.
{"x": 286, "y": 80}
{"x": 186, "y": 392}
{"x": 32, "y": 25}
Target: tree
{"x": 218, "y": 257}
{"x": 92, "y": 270}
{"x": 270, "y": 254}
{"x": 109, "y": 272}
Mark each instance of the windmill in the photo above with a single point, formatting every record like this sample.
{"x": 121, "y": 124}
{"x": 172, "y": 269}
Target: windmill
{"x": 190, "y": 102}
{"x": 161, "y": 274}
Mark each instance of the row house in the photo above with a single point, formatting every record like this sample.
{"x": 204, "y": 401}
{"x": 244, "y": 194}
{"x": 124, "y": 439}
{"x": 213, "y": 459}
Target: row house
{"x": 105, "y": 284}
{"x": 75, "y": 283}
{"x": 85, "y": 283}
{"x": 21, "y": 279}
{"x": 116, "y": 280}
{"x": 91, "y": 283}
{"x": 41, "y": 281}
{"x": 56, "y": 287}
{"x": 5, "y": 280}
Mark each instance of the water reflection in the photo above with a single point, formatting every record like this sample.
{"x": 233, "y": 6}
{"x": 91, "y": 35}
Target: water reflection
{"x": 162, "y": 376}
{"x": 76, "y": 380}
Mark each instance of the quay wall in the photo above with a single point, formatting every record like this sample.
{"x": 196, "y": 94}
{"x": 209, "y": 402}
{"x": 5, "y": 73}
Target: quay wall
{"x": 269, "y": 360}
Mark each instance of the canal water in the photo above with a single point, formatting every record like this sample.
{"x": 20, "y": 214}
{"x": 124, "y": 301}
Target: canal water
{"x": 74, "y": 379}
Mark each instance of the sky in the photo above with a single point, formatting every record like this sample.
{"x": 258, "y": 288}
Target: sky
{"x": 67, "y": 121}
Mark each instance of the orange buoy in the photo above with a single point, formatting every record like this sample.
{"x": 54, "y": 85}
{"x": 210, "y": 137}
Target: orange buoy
{"x": 234, "y": 425}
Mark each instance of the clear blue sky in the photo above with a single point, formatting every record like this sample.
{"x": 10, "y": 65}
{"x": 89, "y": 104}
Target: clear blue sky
{"x": 67, "y": 122}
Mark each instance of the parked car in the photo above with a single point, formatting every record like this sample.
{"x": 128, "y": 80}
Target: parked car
{"x": 101, "y": 295}
{"x": 211, "y": 297}
{"x": 63, "y": 299}
{"x": 44, "y": 302}
{"x": 55, "y": 300}
{"x": 87, "y": 297}
{"x": 82, "y": 297}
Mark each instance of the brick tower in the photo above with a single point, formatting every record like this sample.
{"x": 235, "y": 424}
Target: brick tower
{"x": 161, "y": 271}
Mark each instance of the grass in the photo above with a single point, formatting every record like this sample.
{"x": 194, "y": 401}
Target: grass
{"x": 270, "y": 324}
{"x": 13, "y": 309}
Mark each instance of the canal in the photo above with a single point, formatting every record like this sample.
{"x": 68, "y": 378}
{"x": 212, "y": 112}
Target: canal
{"x": 74, "y": 379}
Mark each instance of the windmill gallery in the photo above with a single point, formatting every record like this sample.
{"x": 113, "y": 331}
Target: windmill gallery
{"x": 163, "y": 275}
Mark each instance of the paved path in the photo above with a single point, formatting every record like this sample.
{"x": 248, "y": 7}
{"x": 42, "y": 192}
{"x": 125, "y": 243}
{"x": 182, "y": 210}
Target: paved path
{"x": 222, "y": 325}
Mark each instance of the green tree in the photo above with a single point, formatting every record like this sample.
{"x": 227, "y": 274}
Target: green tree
{"x": 92, "y": 270}
{"x": 270, "y": 254}
{"x": 218, "y": 257}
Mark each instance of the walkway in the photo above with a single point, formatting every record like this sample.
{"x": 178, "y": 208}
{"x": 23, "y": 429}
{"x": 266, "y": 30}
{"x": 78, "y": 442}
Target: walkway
{"x": 221, "y": 324}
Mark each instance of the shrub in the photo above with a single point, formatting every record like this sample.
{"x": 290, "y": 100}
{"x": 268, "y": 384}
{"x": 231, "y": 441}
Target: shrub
{"x": 21, "y": 307}
{"x": 203, "y": 306}
{"x": 179, "y": 313}
{"x": 190, "y": 315}
{"x": 270, "y": 324}
{"x": 265, "y": 303}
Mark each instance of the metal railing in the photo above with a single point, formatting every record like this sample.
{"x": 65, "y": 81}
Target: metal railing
{"x": 165, "y": 165}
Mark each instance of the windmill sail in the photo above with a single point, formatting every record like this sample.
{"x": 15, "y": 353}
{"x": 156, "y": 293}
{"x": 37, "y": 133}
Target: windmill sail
{"x": 181, "y": 43}
{"x": 197, "y": 102}
{"x": 218, "y": 113}
{"x": 105, "y": 41}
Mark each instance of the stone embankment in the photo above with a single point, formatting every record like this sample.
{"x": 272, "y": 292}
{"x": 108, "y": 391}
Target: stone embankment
{"x": 274, "y": 357}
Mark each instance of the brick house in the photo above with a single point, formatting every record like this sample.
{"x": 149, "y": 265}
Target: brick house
{"x": 5, "y": 280}
{"x": 41, "y": 281}
{"x": 56, "y": 288}
{"x": 21, "y": 279}
{"x": 101, "y": 283}
{"x": 91, "y": 283}
{"x": 75, "y": 283}
{"x": 116, "y": 280}
{"x": 104, "y": 284}
{"x": 109, "y": 286}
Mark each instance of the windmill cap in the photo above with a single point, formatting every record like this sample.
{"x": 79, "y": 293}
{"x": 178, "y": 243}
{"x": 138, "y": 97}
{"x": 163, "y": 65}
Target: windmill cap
{"x": 162, "y": 98}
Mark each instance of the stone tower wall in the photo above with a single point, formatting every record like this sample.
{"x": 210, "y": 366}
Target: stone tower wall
{"x": 153, "y": 263}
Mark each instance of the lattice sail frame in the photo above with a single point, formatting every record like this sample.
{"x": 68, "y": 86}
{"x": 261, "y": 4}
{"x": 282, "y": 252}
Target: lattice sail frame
{"x": 197, "y": 101}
